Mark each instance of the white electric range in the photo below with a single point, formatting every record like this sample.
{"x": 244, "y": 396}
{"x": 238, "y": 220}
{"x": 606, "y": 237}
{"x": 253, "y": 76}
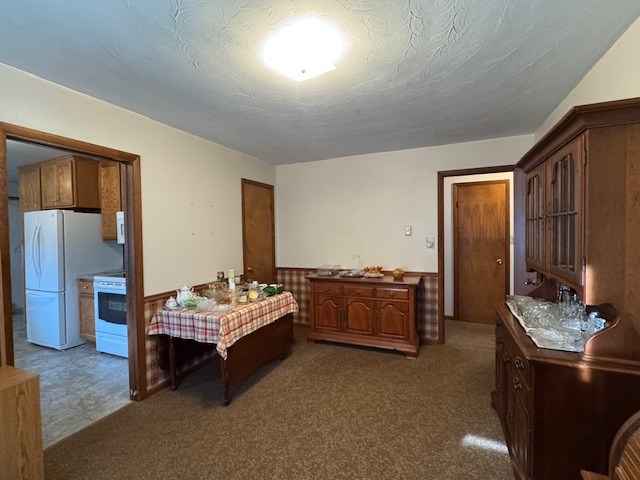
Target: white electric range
{"x": 110, "y": 304}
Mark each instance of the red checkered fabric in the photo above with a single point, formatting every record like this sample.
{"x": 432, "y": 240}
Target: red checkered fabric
{"x": 293, "y": 280}
{"x": 222, "y": 329}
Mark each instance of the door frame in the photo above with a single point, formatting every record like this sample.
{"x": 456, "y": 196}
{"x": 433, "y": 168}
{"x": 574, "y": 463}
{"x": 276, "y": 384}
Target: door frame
{"x": 244, "y": 182}
{"x": 441, "y": 176}
{"x": 456, "y": 245}
{"x": 132, "y": 205}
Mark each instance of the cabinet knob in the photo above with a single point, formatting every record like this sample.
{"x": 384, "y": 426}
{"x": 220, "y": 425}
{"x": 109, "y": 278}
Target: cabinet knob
{"x": 499, "y": 261}
{"x": 326, "y": 290}
{"x": 357, "y": 292}
{"x": 391, "y": 294}
{"x": 516, "y": 383}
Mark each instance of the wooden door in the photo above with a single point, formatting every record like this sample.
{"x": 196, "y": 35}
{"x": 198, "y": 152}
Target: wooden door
{"x": 258, "y": 232}
{"x": 481, "y": 248}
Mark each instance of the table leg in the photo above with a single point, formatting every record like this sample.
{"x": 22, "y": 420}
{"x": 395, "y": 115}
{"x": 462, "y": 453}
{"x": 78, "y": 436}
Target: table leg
{"x": 172, "y": 363}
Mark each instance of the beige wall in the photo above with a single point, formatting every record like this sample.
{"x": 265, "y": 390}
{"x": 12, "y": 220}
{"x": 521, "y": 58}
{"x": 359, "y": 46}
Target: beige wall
{"x": 332, "y": 210}
{"x": 616, "y": 76}
{"x": 191, "y": 199}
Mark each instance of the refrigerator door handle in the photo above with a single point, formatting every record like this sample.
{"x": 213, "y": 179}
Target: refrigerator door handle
{"x": 34, "y": 241}
{"x": 38, "y": 250}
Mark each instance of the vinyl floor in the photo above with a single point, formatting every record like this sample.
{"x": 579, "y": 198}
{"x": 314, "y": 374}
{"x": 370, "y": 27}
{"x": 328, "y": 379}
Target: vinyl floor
{"x": 78, "y": 386}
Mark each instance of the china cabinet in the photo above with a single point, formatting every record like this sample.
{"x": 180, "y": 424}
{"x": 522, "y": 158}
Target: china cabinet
{"x": 560, "y": 410}
{"x": 374, "y": 312}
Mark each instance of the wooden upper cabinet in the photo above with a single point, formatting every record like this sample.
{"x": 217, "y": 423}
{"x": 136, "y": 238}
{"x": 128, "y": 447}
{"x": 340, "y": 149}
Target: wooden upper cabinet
{"x": 110, "y": 199}
{"x": 69, "y": 182}
{"x": 564, "y": 169}
{"x": 29, "y": 185}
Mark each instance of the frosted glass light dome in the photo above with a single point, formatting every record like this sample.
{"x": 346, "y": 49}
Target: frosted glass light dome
{"x": 304, "y": 49}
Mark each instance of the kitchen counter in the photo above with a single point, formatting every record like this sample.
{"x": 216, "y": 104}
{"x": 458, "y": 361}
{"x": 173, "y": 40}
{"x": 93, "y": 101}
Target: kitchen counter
{"x": 89, "y": 276}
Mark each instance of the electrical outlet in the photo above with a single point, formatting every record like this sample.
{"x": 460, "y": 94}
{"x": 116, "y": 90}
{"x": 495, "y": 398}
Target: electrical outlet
{"x": 407, "y": 230}
{"x": 431, "y": 242}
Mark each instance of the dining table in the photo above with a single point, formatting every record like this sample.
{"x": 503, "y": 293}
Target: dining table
{"x": 246, "y": 337}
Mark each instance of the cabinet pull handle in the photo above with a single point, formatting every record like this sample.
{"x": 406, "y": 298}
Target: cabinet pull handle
{"x": 519, "y": 363}
{"x": 516, "y": 383}
{"x": 530, "y": 281}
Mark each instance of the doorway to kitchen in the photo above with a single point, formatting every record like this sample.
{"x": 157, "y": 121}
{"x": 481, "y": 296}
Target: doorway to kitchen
{"x": 15, "y": 350}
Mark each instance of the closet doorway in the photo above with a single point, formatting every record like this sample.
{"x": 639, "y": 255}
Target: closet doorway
{"x": 480, "y": 249}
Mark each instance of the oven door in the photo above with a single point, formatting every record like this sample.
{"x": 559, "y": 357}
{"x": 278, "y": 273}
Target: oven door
{"x": 110, "y": 309}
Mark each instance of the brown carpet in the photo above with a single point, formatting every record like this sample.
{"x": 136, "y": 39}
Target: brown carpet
{"x": 328, "y": 411}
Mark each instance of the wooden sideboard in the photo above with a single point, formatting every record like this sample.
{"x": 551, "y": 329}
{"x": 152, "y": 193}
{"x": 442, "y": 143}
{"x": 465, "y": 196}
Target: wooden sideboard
{"x": 559, "y": 411}
{"x": 372, "y": 312}
{"x": 20, "y": 429}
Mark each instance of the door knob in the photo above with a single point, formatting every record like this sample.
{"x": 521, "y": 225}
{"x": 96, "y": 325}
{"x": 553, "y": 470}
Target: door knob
{"x": 499, "y": 261}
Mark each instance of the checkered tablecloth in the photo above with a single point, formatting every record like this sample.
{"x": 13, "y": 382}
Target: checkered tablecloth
{"x": 222, "y": 329}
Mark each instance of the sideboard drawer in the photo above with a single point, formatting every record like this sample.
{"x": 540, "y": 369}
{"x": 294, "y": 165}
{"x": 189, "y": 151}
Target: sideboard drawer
{"x": 358, "y": 291}
{"x": 394, "y": 293}
{"x": 327, "y": 288}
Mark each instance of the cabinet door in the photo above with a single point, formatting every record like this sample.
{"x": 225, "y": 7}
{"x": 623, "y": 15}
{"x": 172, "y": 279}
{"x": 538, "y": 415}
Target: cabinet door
{"x": 359, "y": 315}
{"x": 327, "y": 312}
{"x": 64, "y": 173}
{"x": 535, "y": 218}
{"x": 502, "y": 369}
{"x": 565, "y": 212}
{"x": 109, "y": 199}
{"x": 48, "y": 183}
{"x": 29, "y": 185}
{"x": 392, "y": 319}
{"x": 57, "y": 184}
{"x": 86, "y": 310}
{"x": 520, "y": 440}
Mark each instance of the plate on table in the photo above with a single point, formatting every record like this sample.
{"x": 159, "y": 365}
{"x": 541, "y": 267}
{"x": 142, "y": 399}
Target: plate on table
{"x": 222, "y": 308}
{"x": 374, "y": 275}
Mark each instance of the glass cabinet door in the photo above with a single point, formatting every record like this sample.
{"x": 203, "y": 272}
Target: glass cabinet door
{"x": 535, "y": 218}
{"x": 564, "y": 216}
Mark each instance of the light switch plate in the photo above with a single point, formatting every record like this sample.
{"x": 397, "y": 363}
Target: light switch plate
{"x": 407, "y": 230}
{"x": 431, "y": 242}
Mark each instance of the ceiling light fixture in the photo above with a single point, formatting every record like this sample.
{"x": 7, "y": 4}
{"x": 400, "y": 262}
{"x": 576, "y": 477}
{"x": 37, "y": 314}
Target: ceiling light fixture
{"x": 305, "y": 49}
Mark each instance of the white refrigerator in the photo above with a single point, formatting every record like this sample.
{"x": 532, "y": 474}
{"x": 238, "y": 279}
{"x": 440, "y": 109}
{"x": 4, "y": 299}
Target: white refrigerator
{"x": 59, "y": 246}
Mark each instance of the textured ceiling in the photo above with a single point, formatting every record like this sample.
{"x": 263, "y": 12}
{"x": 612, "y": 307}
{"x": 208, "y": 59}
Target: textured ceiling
{"x": 416, "y": 73}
